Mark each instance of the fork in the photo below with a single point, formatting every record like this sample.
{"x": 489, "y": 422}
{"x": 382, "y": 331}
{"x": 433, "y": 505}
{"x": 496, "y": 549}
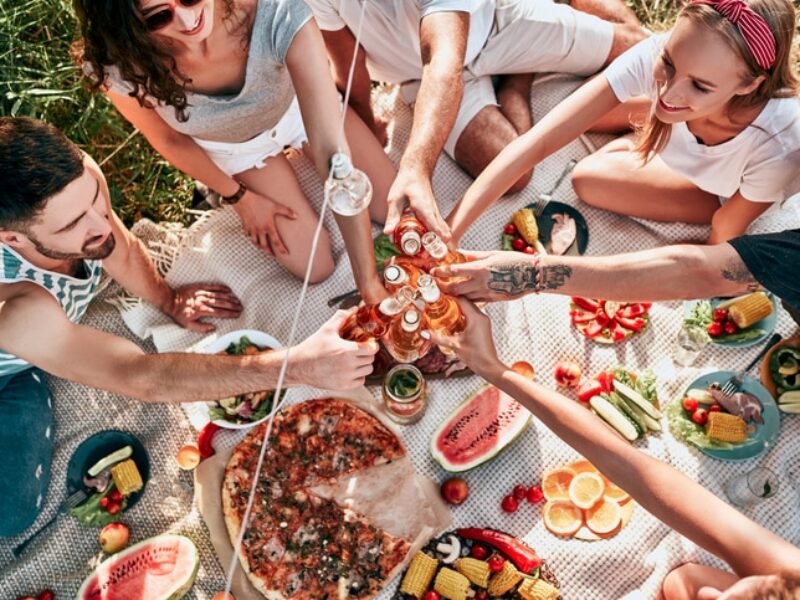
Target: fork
{"x": 734, "y": 384}
{"x": 547, "y": 197}
{"x": 74, "y": 499}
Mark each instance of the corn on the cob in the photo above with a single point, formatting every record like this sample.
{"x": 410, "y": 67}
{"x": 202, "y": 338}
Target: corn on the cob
{"x": 538, "y": 589}
{"x": 750, "y": 309}
{"x": 451, "y": 585}
{"x": 126, "y": 477}
{"x": 419, "y": 575}
{"x": 503, "y": 581}
{"x": 525, "y": 222}
{"x": 725, "y": 427}
{"x": 477, "y": 571}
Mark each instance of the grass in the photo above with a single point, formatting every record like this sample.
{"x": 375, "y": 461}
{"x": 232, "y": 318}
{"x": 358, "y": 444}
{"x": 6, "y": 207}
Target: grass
{"x": 38, "y": 79}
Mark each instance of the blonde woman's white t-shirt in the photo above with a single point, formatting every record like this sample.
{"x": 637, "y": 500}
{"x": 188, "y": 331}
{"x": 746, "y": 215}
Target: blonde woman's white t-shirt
{"x": 762, "y": 162}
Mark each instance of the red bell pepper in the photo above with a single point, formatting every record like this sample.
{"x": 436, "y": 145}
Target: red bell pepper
{"x": 581, "y": 316}
{"x": 205, "y": 438}
{"x": 632, "y": 324}
{"x": 632, "y": 310}
{"x": 589, "y": 390}
{"x": 586, "y": 303}
{"x": 593, "y": 329}
{"x": 524, "y": 557}
{"x": 606, "y": 381}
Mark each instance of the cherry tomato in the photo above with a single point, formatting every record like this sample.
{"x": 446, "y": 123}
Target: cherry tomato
{"x": 520, "y": 491}
{"x": 714, "y": 329}
{"x": 481, "y": 595}
{"x": 114, "y": 508}
{"x": 115, "y": 495}
{"x": 714, "y": 408}
{"x": 479, "y": 551}
{"x": 509, "y": 504}
{"x": 46, "y": 595}
{"x": 518, "y": 244}
{"x": 535, "y": 494}
{"x": 496, "y": 563}
{"x": 432, "y": 595}
{"x": 104, "y": 501}
{"x": 730, "y": 328}
{"x": 690, "y": 404}
{"x": 720, "y": 315}
{"x": 529, "y": 250}
{"x": 700, "y": 416}
{"x": 510, "y": 229}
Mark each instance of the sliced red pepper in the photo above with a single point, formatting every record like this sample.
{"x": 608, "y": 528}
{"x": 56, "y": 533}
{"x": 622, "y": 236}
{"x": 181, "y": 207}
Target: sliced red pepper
{"x": 601, "y": 317}
{"x": 581, "y": 316}
{"x": 618, "y": 333}
{"x": 632, "y": 310}
{"x": 586, "y": 303}
{"x": 632, "y": 324}
{"x": 593, "y": 329}
{"x": 606, "y": 381}
{"x": 589, "y": 390}
{"x": 524, "y": 557}
{"x": 205, "y": 438}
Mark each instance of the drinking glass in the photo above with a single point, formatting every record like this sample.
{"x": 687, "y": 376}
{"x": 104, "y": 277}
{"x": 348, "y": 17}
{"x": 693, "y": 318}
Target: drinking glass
{"x": 752, "y": 487}
{"x": 689, "y": 344}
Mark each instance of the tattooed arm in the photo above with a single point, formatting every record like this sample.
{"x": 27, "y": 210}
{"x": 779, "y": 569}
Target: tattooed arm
{"x": 667, "y": 273}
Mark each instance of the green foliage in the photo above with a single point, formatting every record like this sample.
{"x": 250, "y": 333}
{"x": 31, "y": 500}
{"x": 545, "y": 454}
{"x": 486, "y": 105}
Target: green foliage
{"x": 39, "y": 79}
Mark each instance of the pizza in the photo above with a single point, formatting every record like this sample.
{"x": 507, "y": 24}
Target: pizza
{"x": 303, "y": 541}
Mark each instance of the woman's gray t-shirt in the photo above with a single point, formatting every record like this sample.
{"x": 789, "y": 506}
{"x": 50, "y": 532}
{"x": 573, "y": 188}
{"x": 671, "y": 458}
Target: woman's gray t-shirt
{"x": 267, "y": 91}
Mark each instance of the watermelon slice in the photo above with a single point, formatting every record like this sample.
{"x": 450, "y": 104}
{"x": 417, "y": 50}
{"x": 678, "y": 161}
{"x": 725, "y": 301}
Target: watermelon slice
{"x": 478, "y": 430}
{"x": 159, "y": 568}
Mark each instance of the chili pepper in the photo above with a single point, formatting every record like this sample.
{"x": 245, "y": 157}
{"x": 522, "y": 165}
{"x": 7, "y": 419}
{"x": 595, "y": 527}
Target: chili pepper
{"x": 522, "y": 556}
{"x": 205, "y": 438}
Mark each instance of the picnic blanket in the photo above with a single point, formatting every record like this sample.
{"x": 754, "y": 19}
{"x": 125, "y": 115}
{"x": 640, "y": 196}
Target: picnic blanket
{"x": 536, "y": 329}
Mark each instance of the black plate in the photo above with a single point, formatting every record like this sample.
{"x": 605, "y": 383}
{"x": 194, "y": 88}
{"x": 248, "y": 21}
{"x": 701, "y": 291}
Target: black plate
{"x": 100, "y": 445}
{"x": 545, "y": 224}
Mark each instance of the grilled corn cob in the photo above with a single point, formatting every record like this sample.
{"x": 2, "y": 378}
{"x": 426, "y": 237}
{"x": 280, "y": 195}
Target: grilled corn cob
{"x": 126, "y": 477}
{"x": 503, "y": 581}
{"x": 725, "y": 427}
{"x": 477, "y": 571}
{"x": 451, "y": 585}
{"x": 538, "y": 589}
{"x": 750, "y": 309}
{"x": 419, "y": 575}
{"x": 525, "y": 222}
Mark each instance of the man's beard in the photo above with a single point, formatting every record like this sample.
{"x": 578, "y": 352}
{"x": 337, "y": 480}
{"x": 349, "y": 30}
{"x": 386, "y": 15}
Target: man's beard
{"x": 97, "y": 253}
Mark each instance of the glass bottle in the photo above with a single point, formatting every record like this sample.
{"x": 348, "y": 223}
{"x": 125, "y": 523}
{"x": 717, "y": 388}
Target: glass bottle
{"x": 403, "y": 340}
{"x": 408, "y": 234}
{"x": 405, "y": 394}
{"x": 349, "y": 190}
{"x": 443, "y": 313}
{"x": 440, "y": 254}
{"x": 372, "y": 320}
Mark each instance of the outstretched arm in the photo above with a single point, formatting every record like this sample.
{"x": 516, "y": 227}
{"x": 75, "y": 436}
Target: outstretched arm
{"x": 564, "y": 123}
{"x": 666, "y": 273}
{"x": 443, "y": 45}
{"x": 661, "y": 489}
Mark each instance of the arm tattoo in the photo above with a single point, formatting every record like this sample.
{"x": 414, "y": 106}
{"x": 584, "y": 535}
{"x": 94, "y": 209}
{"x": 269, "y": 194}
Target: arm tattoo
{"x": 738, "y": 272}
{"x": 514, "y": 279}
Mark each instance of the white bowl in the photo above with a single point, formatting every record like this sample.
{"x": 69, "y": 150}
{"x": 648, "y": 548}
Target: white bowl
{"x": 259, "y": 338}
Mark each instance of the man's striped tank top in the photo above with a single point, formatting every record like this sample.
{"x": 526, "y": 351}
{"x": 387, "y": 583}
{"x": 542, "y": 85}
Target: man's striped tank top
{"x": 72, "y": 293}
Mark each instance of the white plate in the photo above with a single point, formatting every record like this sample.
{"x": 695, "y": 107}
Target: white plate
{"x": 259, "y": 338}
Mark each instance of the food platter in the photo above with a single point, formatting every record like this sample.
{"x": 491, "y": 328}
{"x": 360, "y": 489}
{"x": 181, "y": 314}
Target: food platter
{"x": 608, "y": 322}
{"x": 765, "y": 326}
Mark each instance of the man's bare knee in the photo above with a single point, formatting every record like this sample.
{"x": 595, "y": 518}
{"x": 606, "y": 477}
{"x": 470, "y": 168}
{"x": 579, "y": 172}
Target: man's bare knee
{"x": 585, "y": 177}
{"x": 675, "y": 585}
{"x": 324, "y": 264}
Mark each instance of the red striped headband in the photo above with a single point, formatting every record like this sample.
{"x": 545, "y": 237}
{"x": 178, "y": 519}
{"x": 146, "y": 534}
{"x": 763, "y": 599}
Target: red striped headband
{"x": 753, "y": 27}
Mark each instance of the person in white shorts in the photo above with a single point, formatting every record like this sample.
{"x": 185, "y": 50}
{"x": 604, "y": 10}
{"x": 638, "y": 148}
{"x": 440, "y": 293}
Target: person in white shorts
{"x": 724, "y": 124}
{"x": 220, "y": 88}
{"x": 445, "y": 53}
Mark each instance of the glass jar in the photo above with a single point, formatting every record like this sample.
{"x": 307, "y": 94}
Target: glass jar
{"x": 404, "y": 394}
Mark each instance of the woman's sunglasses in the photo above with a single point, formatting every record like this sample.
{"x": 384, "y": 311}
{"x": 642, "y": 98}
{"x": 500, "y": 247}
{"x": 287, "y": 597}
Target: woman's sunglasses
{"x": 163, "y": 16}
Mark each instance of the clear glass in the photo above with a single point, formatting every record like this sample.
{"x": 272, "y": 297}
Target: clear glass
{"x": 689, "y": 344}
{"x": 752, "y": 487}
{"x": 349, "y": 195}
{"x": 409, "y": 407}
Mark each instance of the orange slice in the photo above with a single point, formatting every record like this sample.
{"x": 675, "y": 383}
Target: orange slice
{"x": 555, "y": 484}
{"x": 604, "y": 517}
{"x": 586, "y": 489}
{"x": 562, "y": 518}
{"x": 582, "y": 466}
{"x": 615, "y": 493}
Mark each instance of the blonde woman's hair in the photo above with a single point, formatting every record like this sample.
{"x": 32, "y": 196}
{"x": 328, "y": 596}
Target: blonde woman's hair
{"x": 780, "y": 81}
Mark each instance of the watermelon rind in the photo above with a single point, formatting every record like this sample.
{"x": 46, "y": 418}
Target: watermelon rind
{"x": 114, "y": 561}
{"x": 509, "y": 436}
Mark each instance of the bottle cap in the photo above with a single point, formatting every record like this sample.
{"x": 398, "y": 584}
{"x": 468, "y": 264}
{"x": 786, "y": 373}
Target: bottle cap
{"x": 410, "y": 320}
{"x": 395, "y": 275}
{"x": 428, "y": 288}
{"x": 410, "y": 243}
{"x": 391, "y": 306}
{"x": 434, "y": 245}
{"x": 341, "y": 166}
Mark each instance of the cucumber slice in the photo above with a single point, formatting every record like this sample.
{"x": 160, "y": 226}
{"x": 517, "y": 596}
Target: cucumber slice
{"x": 702, "y": 396}
{"x": 731, "y": 301}
{"x": 109, "y": 460}
{"x": 649, "y": 423}
{"x": 626, "y": 408}
{"x": 790, "y": 397}
{"x": 790, "y": 408}
{"x": 615, "y": 418}
{"x": 637, "y": 399}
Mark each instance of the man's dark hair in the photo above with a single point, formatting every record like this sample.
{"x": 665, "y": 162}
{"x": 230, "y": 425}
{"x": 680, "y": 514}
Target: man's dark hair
{"x": 37, "y": 161}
